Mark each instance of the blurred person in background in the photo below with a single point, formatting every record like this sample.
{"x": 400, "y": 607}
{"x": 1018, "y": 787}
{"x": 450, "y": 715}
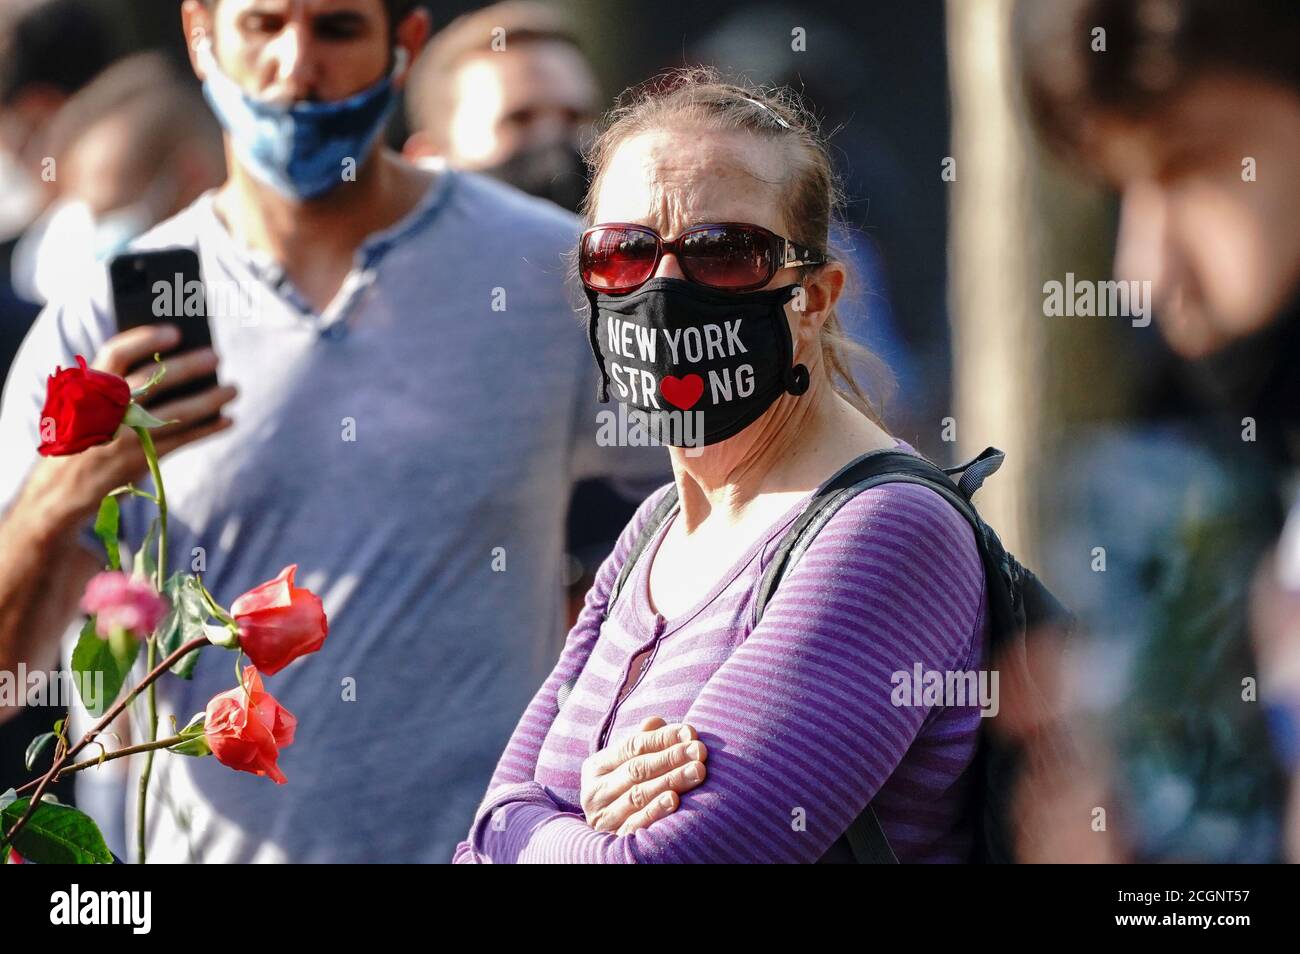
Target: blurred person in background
{"x": 49, "y": 49}
{"x": 363, "y": 291}
{"x": 508, "y": 91}
{"x": 1276, "y": 626}
{"x": 137, "y": 145}
{"x": 1191, "y": 113}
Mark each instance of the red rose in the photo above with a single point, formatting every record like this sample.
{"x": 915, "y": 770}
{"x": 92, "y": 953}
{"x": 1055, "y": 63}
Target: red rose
{"x": 247, "y": 728}
{"x": 279, "y": 622}
{"x": 83, "y": 407}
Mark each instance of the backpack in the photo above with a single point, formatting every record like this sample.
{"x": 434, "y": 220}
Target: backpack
{"x": 1017, "y": 601}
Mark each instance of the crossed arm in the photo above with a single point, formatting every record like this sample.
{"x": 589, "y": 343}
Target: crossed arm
{"x": 798, "y": 721}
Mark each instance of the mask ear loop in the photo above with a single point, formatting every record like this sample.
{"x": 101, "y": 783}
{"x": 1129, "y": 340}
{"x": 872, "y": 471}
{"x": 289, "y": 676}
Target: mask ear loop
{"x": 400, "y": 60}
{"x": 203, "y": 51}
{"x": 602, "y": 389}
{"x": 795, "y": 376}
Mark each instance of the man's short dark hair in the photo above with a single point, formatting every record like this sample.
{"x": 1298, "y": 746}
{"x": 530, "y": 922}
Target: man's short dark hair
{"x": 1153, "y": 50}
{"x": 397, "y": 10}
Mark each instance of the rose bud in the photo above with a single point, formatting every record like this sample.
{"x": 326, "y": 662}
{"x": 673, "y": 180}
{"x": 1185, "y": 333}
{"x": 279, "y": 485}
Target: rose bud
{"x": 278, "y": 622}
{"x": 83, "y": 407}
{"x": 247, "y": 728}
{"x": 119, "y": 602}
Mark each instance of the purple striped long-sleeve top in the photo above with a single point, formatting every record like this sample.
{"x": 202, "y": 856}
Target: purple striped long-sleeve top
{"x": 798, "y": 712}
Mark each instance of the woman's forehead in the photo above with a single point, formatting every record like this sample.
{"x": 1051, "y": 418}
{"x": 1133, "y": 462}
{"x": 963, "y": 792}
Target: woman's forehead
{"x": 670, "y": 180}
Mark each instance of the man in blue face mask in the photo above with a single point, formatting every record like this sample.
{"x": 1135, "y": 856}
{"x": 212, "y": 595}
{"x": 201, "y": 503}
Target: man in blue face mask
{"x": 302, "y": 90}
{"x": 405, "y": 402}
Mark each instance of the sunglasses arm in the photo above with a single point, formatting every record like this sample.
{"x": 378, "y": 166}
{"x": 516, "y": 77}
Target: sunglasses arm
{"x": 793, "y": 256}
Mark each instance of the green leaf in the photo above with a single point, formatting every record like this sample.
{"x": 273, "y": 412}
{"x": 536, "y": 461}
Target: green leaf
{"x": 196, "y": 742}
{"x": 36, "y": 747}
{"x": 56, "y": 835}
{"x": 144, "y": 389}
{"x": 136, "y": 416}
{"x": 196, "y": 748}
{"x": 111, "y": 657}
{"x": 7, "y": 798}
{"x": 106, "y": 528}
{"x": 146, "y": 562}
{"x": 214, "y": 607}
{"x": 133, "y": 490}
{"x": 183, "y": 622}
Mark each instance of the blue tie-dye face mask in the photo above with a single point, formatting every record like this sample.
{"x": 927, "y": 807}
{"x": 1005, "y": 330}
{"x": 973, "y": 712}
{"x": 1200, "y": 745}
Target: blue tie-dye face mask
{"x": 302, "y": 150}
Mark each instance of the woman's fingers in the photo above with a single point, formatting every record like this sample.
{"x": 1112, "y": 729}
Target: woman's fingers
{"x": 638, "y": 743}
{"x": 655, "y": 749}
{"x": 602, "y": 791}
{"x": 661, "y": 807}
{"x": 643, "y": 768}
{"x": 642, "y": 797}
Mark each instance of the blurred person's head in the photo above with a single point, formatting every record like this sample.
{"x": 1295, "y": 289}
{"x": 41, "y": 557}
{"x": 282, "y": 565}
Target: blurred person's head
{"x": 507, "y": 90}
{"x": 135, "y": 147}
{"x": 49, "y": 49}
{"x": 138, "y": 140}
{"x": 302, "y": 87}
{"x": 695, "y": 151}
{"x": 1191, "y": 110}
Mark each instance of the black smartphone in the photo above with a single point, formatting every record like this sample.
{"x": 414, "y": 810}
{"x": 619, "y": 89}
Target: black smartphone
{"x": 164, "y": 286}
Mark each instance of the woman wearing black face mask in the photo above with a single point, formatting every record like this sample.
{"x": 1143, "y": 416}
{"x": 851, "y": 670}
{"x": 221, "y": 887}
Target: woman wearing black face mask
{"x": 675, "y": 727}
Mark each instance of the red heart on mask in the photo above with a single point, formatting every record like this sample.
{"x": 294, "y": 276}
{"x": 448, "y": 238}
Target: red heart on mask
{"x": 682, "y": 392}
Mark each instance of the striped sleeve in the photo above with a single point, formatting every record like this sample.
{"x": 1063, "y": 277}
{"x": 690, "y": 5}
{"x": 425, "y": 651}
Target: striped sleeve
{"x": 800, "y": 721}
{"x": 519, "y": 761}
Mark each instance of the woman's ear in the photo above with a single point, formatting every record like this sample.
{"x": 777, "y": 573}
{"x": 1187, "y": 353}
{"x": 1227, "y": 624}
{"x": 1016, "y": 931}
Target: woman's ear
{"x": 824, "y": 288}
{"x": 815, "y": 299}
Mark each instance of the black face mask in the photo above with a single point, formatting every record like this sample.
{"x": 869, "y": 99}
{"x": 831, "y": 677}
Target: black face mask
{"x": 1259, "y": 375}
{"x": 673, "y": 348}
{"x": 556, "y": 172}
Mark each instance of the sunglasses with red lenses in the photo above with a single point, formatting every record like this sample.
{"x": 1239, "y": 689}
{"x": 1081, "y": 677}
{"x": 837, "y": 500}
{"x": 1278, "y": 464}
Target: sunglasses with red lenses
{"x": 618, "y": 257}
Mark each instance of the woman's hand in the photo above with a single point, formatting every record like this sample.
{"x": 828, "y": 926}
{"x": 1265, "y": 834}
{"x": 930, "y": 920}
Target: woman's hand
{"x": 627, "y": 786}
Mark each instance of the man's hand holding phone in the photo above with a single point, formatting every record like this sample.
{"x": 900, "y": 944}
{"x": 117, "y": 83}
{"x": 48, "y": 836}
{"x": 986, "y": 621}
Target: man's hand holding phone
{"x": 67, "y": 490}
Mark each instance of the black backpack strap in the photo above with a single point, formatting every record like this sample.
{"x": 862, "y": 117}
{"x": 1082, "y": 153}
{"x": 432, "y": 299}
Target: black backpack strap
{"x": 663, "y": 509}
{"x": 975, "y": 472}
{"x": 871, "y": 470}
{"x": 866, "y": 838}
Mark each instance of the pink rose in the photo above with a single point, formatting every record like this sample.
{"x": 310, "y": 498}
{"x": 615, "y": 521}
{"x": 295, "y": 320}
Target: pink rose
{"x": 119, "y": 602}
